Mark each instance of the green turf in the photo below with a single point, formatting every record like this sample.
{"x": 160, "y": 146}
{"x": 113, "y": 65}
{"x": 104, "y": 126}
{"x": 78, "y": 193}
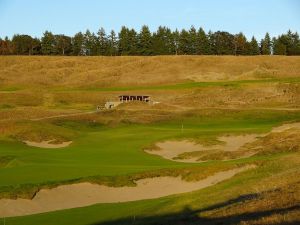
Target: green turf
{"x": 104, "y": 151}
{"x": 187, "y": 85}
{"x": 171, "y": 207}
{"x": 115, "y": 151}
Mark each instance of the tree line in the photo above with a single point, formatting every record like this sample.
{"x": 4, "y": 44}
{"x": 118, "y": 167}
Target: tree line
{"x": 163, "y": 41}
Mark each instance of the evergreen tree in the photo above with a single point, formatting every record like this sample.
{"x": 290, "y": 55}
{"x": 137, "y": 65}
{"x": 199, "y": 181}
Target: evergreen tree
{"x": 145, "y": 41}
{"x": 253, "y": 47}
{"x": 112, "y": 43}
{"x": 266, "y": 45}
{"x": 160, "y": 42}
{"x": 202, "y": 45}
{"x": 124, "y": 44}
{"x": 48, "y": 43}
{"x": 90, "y": 43}
{"x": 176, "y": 41}
{"x": 279, "y": 48}
{"x": 211, "y": 42}
{"x": 192, "y": 41}
{"x": 102, "y": 42}
{"x": 183, "y": 45}
{"x": 164, "y": 41}
{"x": 78, "y": 44}
{"x": 133, "y": 42}
{"x": 292, "y": 43}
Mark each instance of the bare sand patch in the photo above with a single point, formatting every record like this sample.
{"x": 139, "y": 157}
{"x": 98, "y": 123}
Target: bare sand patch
{"x": 172, "y": 150}
{"x": 285, "y": 127}
{"x": 84, "y": 194}
{"x": 48, "y": 144}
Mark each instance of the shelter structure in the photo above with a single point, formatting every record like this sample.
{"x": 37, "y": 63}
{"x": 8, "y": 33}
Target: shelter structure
{"x": 130, "y": 98}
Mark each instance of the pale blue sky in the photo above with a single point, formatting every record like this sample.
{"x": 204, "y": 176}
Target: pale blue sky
{"x": 253, "y": 17}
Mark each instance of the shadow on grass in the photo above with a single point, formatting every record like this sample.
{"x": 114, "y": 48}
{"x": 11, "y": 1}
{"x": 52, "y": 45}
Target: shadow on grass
{"x": 191, "y": 217}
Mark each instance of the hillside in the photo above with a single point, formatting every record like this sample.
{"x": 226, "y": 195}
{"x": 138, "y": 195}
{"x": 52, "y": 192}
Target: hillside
{"x": 19, "y": 71}
{"x": 229, "y": 125}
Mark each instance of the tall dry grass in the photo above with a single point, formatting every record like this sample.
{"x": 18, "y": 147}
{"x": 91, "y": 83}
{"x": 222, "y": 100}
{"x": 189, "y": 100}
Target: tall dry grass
{"x": 114, "y": 71}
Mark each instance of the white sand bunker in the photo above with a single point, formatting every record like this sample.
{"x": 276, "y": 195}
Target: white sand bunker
{"x": 48, "y": 144}
{"x": 173, "y": 149}
{"x": 84, "y": 194}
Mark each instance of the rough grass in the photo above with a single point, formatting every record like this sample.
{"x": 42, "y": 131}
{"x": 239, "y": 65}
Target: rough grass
{"x": 112, "y": 71}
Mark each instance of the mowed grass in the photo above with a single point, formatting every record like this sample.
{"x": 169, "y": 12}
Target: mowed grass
{"x": 185, "y": 85}
{"x": 107, "y": 151}
{"x": 183, "y": 207}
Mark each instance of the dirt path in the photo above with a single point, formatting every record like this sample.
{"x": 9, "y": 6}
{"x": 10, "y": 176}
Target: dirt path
{"x": 84, "y": 194}
{"x": 63, "y": 115}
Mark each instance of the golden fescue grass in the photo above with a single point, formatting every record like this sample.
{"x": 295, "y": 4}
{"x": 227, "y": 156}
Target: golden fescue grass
{"x": 130, "y": 71}
{"x": 276, "y": 203}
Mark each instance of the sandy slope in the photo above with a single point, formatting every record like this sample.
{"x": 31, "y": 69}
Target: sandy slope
{"x": 84, "y": 194}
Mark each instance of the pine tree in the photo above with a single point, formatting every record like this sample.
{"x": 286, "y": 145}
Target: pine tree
{"x": 183, "y": 45}
{"x": 78, "y": 44}
{"x": 212, "y": 43}
{"x": 48, "y": 44}
{"x": 192, "y": 41}
{"x": 202, "y": 45}
{"x": 176, "y": 41}
{"x": 266, "y": 45}
{"x": 124, "y": 42}
{"x": 102, "y": 42}
{"x": 145, "y": 41}
{"x": 159, "y": 42}
{"x": 112, "y": 43}
{"x": 279, "y": 48}
{"x": 90, "y": 43}
{"x": 253, "y": 47}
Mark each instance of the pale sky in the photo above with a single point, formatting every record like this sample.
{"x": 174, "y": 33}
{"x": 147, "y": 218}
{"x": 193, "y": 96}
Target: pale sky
{"x": 252, "y": 17}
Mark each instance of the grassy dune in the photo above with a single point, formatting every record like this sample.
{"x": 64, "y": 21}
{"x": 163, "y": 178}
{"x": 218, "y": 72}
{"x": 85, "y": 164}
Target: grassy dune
{"x": 201, "y": 98}
{"x": 18, "y": 72}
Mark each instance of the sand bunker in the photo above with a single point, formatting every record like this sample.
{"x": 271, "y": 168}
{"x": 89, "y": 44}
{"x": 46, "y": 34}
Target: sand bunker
{"x": 48, "y": 144}
{"x": 84, "y": 194}
{"x": 172, "y": 149}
